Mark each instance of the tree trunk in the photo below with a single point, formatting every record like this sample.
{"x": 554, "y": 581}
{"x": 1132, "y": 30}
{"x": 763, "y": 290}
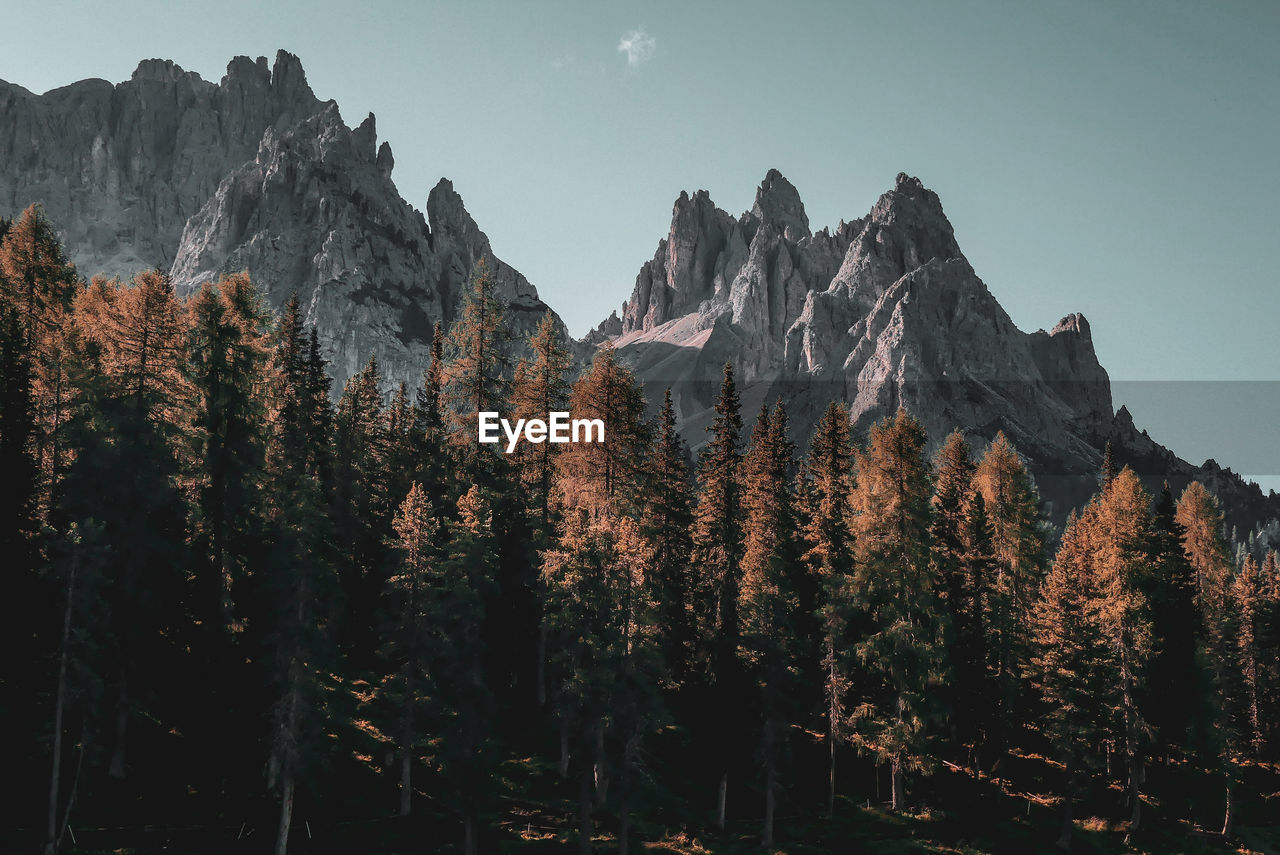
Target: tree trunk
{"x": 624, "y": 795}
{"x": 286, "y": 813}
{"x": 1064, "y": 835}
{"x": 1229, "y": 818}
{"x": 831, "y": 782}
{"x": 406, "y": 745}
{"x": 542, "y": 665}
{"x": 899, "y": 799}
{"x": 564, "y": 747}
{"x": 721, "y": 799}
{"x": 770, "y": 783}
{"x": 51, "y": 846}
{"x": 116, "y": 769}
{"x": 586, "y": 781}
{"x": 406, "y": 786}
{"x": 601, "y": 769}
{"x": 1139, "y": 772}
{"x": 469, "y": 833}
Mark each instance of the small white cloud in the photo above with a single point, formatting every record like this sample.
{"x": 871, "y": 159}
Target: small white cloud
{"x": 638, "y": 45}
{"x": 565, "y": 61}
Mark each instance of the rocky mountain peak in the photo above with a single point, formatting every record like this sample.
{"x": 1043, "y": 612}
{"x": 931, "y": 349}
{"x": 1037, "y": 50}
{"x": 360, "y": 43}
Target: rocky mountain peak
{"x": 288, "y": 79}
{"x": 778, "y": 204}
{"x": 160, "y": 71}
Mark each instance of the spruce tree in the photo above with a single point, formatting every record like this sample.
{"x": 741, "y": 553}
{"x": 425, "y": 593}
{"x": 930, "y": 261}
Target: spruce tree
{"x": 667, "y": 517}
{"x": 475, "y": 371}
{"x": 1017, "y": 543}
{"x": 717, "y": 557}
{"x": 769, "y": 607}
{"x": 462, "y": 697}
{"x": 132, "y": 400}
{"x": 961, "y": 544}
{"x": 1066, "y": 659}
{"x": 609, "y": 473}
{"x": 298, "y": 575}
{"x": 902, "y": 652}
{"x": 362, "y": 505}
{"x": 408, "y": 644}
{"x": 1122, "y": 575}
{"x": 432, "y": 464}
{"x": 829, "y": 553}
{"x": 227, "y": 356}
{"x": 540, "y": 388}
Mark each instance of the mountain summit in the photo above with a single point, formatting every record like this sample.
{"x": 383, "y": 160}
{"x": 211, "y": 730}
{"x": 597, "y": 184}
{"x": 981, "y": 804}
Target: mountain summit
{"x": 882, "y": 312}
{"x": 256, "y": 173}
{"x": 252, "y": 173}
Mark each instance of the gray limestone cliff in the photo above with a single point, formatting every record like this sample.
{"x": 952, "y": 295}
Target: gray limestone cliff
{"x": 253, "y": 173}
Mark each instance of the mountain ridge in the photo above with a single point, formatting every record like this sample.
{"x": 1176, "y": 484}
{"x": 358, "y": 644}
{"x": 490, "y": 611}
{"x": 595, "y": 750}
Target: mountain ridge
{"x": 256, "y": 172}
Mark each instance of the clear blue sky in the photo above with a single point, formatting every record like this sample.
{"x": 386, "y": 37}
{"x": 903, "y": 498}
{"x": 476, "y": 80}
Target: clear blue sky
{"x": 1118, "y": 159}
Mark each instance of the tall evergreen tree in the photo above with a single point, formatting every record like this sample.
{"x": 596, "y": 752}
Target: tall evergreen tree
{"x": 459, "y": 680}
{"x": 771, "y": 641}
{"x": 475, "y": 373}
{"x": 717, "y": 554}
{"x": 132, "y": 400}
{"x": 1067, "y": 655}
{"x": 609, "y": 473}
{"x": 667, "y": 517}
{"x": 961, "y": 557}
{"x": 829, "y": 554}
{"x": 1122, "y": 573}
{"x": 1017, "y": 543}
{"x": 902, "y": 651}
{"x": 227, "y": 356}
{"x": 541, "y": 387}
{"x": 298, "y": 575}
{"x": 362, "y": 506}
{"x": 409, "y": 640}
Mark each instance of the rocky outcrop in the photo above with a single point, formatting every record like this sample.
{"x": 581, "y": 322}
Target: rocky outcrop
{"x": 882, "y": 312}
{"x": 253, "y": 173}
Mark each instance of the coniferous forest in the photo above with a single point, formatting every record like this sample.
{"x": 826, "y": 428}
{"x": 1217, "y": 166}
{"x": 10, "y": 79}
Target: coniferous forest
{"x": 246, "y": 614}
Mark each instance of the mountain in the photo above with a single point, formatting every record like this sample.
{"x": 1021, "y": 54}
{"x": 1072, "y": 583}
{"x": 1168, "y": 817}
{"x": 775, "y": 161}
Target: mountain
{"x": 256, "y": 173}
{"x": 252, "y": 173}
{"x": 881, "y": 312}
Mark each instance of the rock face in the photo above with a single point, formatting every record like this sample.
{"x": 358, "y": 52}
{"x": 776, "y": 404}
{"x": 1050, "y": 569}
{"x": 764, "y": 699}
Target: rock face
{"x": 883, "y": 311}
{"x": 254, "y": 173}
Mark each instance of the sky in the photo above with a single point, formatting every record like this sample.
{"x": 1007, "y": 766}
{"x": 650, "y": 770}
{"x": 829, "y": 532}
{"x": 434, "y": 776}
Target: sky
{"x": 1116, "y": 159}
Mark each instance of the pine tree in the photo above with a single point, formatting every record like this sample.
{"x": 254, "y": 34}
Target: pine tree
{"x": 430, "y": 431}
{"x": 603, "y": 644}
{"x": 132, "y": 401}
{"x": 459, "y": 676}
{"x": 298, "y": 573}
{"x": 829, "y": 554}
{"x": 609, "y": 473}
{"x": 475, "y": 378}
{"x": 362, "y": 505}
{"x": 961, "y": 546}
{"x": 540, "y": 388}
{"x": 1174, "y": 673}
{"x": 40, "y": 285}
{"x": 1067, "y": 655}
{"x": 227, "y": 355}
{"x": 1201, "y": 519}
{"x": 902, "y": 651}
{"x": 1108, "y": 472}
{"x": 667, "y": 517}
{"x": 409, "y": 641}
{"x": 771, "y": 642}
{"x": 717, "y": 555}
{"x": 1122, "y": 568}
{"x": 1017, "y": 542}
